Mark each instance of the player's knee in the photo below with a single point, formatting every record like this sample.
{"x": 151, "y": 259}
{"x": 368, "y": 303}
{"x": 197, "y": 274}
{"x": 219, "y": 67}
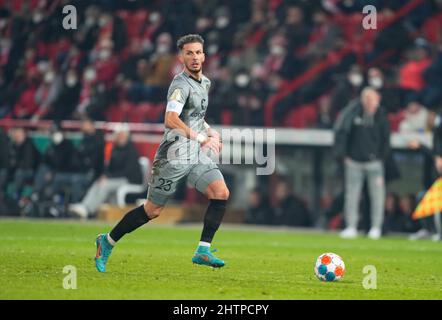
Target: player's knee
{"x": 152, "y": 211}
{"x": 221, "y": 194}
{"x": 226, "y": 194}
{"x": 154, "y": 214}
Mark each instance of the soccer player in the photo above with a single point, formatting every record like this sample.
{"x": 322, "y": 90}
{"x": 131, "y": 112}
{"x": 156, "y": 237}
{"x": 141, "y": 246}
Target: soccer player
{"x": 183, "y": 152}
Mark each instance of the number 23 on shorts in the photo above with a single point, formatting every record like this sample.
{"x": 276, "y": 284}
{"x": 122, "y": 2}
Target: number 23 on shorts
{"x": 163, "y": 184}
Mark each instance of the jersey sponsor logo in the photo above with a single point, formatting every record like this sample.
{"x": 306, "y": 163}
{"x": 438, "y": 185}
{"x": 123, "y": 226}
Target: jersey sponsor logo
{"x": 198, "y": 114}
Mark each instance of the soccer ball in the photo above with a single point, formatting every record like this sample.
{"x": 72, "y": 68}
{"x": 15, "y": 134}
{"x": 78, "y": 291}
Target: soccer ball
{"x": 329, "y": 267}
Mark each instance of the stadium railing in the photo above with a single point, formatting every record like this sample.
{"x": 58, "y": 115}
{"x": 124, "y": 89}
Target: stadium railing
{"x": 145, "y": 133}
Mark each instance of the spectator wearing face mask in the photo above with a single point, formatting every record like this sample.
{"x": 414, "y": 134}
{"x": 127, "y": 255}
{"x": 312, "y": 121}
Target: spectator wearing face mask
{"x": 279, "y": 60}
{"x": 248, "y": 104}
{"x": 24, "y": 160}
{"x": 123, "y": 168}
{"x": 88, "y": 80}
{"x": 57, "y": 159}
{"x": 225, "y": 28}
{"x": 47, "y": 93}
{"x": 87, "y": 162}
{"x": 154, "y": 74}
{"x": 390, "y": 95}
{"x": 347, "y": 89}
{"x": 105, "y": 62}
{"x": 64, "y": 105}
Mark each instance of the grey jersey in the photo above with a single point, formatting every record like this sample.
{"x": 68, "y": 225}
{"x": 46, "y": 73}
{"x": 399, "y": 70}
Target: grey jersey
{"x": 194, "y": 95}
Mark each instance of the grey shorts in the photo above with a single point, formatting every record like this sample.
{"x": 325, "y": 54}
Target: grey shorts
{"x": 166, "y": 175}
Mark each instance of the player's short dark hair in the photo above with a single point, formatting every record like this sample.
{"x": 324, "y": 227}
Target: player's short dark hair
{"x": 189, "y": 38}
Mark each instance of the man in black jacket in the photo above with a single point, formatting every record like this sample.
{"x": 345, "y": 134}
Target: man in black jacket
{"x": 53, "y": 180}
{"x": 90, "y": 152}
{"x": 123, "y": 168}
{"x": 362, "y": 141}
{"x": 87, "y": 163}
{"x": 24, "y": 159}
{"x": 74, "y": 168}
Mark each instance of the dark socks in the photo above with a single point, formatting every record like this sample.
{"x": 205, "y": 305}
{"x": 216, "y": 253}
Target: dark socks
{"x": 212, "y": 219}
{"x": 131, "y": 221}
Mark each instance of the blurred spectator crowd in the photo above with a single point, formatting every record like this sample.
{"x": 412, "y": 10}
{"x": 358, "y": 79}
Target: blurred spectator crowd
{"x": 290, "y": 63}
{"x": 288, "y": 208}
{"x": 119, "y": 61}
{"x": 65, "y": 177}
{"x": 42, "y": 178}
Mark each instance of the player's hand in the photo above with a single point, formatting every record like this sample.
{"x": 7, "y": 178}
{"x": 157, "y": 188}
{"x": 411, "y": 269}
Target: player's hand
{"x": 414, "y": 144}
{"x": 212, "y": 144}
{"x": 214, "y": 134}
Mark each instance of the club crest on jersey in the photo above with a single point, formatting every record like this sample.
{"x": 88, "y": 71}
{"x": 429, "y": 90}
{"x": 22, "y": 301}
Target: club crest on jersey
{"x": 203, "y": 104}
{"x": 176, "y": 95}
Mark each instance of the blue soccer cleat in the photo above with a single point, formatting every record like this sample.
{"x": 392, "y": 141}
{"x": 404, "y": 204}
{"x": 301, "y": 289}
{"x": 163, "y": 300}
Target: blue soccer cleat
{"x": 104, "y": 249}
{"x": 204, "y": 256}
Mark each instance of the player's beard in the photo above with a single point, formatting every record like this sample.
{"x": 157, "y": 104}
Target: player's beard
{"x": 193, "y": 70}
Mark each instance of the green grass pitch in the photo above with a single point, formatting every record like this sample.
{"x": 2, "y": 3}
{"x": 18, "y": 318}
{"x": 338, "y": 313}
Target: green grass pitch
{"x": 154, "y": 262}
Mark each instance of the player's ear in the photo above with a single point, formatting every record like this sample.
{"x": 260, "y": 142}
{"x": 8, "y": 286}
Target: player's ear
{"x": 204, "y": 58}
{"x": 180, "y": 56}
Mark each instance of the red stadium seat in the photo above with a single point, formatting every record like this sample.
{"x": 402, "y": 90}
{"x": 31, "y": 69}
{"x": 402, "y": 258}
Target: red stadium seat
{"x": 302, "y": 117}
{"x": 156, "y": 112}
{"x": 123, "y": 14}
{"x": 134, "y": 22}
{"x": 116, "y": 113}
{"x": 140, "y": 112}
{"x": 226, "y": 117}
